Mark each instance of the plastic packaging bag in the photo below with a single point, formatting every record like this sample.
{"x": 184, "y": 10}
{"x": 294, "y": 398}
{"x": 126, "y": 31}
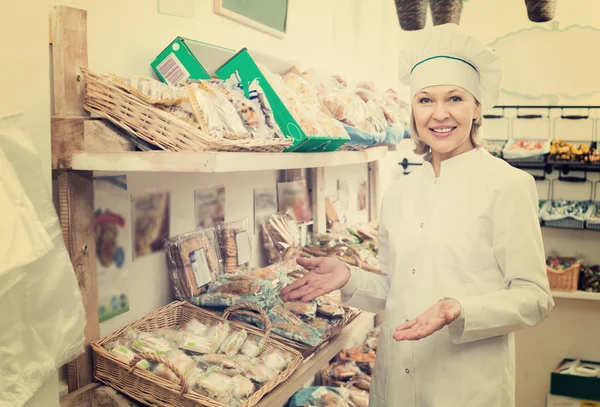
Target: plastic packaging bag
{"x": 194, "y": 260}
{"x": 205, "y": 113}
{"x": 43, "y": 318}
{"x": 233, "y": 128}
{"x": 234, "y": 239}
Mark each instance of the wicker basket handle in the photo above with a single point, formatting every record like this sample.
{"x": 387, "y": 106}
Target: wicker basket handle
{"x": 262, "y": 315}
{"x": 156, "y": 358}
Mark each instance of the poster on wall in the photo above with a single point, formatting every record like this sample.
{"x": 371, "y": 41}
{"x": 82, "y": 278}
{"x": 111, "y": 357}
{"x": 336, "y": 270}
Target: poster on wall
{"x": 265, "y": 205}
{"x": 294, "y": 196}
{"x": 362, "y": 195}
{"x": 112, "y": 228}
{"x": 151, "y": 225}
{"x": 343, "y": 197}
{"x": 209, "y": 206}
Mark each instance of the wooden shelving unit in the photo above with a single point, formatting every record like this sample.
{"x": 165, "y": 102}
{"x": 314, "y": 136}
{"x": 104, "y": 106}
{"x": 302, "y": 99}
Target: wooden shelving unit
{"x": 82, "y": 145}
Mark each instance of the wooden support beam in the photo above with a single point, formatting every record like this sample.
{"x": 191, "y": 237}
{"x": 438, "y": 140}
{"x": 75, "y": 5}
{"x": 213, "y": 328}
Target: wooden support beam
{"x": 76, "y": 210}
{"x": 69, "y": 55}
{"x": 77, "y": 134}
{"x": 317, "y": 185}
{"x": 374, "y": 190}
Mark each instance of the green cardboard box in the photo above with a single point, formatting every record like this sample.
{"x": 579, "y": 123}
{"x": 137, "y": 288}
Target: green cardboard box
{"x": 246, "y": 68}
{"x": 578, "y": 387}
{"x": 177, "y": 62}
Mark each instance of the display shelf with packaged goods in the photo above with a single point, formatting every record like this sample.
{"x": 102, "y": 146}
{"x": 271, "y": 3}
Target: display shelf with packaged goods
{"x": 82, "y": 145}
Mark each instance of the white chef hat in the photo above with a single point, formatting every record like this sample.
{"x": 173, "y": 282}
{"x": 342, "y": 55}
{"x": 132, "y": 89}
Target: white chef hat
{"x": 447, "y": 55}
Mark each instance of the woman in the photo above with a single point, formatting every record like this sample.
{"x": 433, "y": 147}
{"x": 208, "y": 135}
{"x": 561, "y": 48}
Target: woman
{"x": 460, "y": 244}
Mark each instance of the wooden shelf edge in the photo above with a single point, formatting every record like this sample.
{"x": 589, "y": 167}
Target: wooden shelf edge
{"x": 577, "y": 295}
{"x": 217, "y": 162}
{"x": 279, "y": 395}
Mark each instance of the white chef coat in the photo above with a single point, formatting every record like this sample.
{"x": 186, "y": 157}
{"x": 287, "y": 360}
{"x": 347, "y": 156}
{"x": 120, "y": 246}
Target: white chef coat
{"x": 471, "y": 234}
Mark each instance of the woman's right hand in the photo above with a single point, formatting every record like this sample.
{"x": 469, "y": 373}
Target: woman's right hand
{"x": 327, "y": 274}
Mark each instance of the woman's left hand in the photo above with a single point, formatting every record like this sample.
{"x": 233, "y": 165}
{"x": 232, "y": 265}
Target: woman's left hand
{"x": 435, "y": 318}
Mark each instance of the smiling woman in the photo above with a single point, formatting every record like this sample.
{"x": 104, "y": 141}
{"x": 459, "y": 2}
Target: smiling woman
{"x": 445, "y": 120}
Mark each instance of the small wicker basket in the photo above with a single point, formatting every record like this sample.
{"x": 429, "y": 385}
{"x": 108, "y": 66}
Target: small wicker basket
{"x": 126, "y": 110}
{"x": 540, "y": 11}
{"x": 150, "y": 389}
{"x": 411, "y": 14}
{"x": 564, "y": 280}
{"x": 445, "y": 11}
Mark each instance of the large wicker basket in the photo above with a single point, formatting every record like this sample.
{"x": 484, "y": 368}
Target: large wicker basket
{"x": 564, "y": 280}
{"x": 156, "y": 391}
{"x": 110, "y": 101}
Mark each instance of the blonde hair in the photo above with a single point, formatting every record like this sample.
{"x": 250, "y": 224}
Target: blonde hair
{"x": 421, "y": 148}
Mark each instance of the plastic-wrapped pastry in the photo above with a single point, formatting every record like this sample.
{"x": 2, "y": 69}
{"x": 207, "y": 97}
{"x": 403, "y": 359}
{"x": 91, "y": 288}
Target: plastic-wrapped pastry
{"x": 233, "y": 343}
{"x": 221, "y": 361}
{"x": 359, "y": 397}
{"x": 180, "y": 360}
{"x": 204, "y": 111}
{"x": 286, "y": 324}
{"x": 301, "y": 86}
{"x": 328, "y": 308}
{"x": 217, "y": 334}
{"x": 170, "y": 335}
{"x": 330, "y": 126}
{"x": 145, "y": 342}
{"x": 242, "y": 387}
{"x": 251, "y": 348}
{"x": 344, "y": 371}
{"x": 275, "y": 360}
{"x": 150, "y": 90}
{"x": 233, "y": 128}
{"x": 262, "y": 373}
{"x": 256, "y": 93}
{"x": 306, "y": 118}
{"x": 194, "y": 326}
{"x": 217, "y": 386}
{"x": 194, "y": 343}
{"x": 305, "y": 310}
{"x": 218, "y": 300}
{"x": 125, "y": 354}
{"x": 234, "y": 287}
{"x": 323, "y": 397}
{"x": 246, "y": 362}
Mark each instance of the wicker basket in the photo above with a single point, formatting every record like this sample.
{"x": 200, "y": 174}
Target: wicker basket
{"x": 445, "y": 11}
{"x": 540, "y": 11}
{"x": 411, "y": 14}
{"x": 110, "y": 101}
{"x": 564, "y": 280}
{"x": 156, "y": 391}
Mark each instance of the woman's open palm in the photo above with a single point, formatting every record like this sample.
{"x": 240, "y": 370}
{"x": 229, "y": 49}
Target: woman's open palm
{"x": 432, "y": 320}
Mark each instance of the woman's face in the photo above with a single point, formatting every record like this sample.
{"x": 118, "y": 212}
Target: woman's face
{"x": 444, "y": 116}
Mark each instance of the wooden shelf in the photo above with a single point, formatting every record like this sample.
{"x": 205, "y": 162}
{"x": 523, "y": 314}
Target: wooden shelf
{"x": 577, "y": 295}
{"x": 280, "y": 395}
{"x": 213, "y": 162}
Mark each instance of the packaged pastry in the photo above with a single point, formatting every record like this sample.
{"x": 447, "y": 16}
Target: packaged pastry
{"x": 242, "y": 387}
{"x": 234, "y": 287}
{"x": 251, "y": 348}
{"x": 180, "y": 360}
{"x": 288, "y": 325}
{"x": 150, "y": 90}
{"x": 224, "y": 362}
{"x": 344, "y": 371}
{"x": 170, "y": 335}
{"x": 305, "y": 310}
{"x": 329, "y": 308}
{"x": 219, "y": 300}
{"x": 145, "y": 342}
{"x": 194, "y": 326}
{"x": 194, "y": 260}
{"x": 234, "y": 240}
{"x": 233, "y": 343}
{"x": 194, "y": 343}
{"x": 204, "y": 110}
{"x": 324, "y": 397}
{"x": 360, "y": 398}
{"x": 233, "y": 127}
{"x": 275, "y": 360}
{"x": 217, "y": 386}
{"x": 217, "y": 334}
{"x": 262, "y": 373}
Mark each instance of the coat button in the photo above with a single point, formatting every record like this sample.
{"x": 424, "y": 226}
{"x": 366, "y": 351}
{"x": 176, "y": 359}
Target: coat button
{"x": 414, "y": 271}
{"x": 407, "y": 320}
{"x": 435, "y": 181}
{"x": 421, "y": 225}
{"x": 407, "y": 371}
